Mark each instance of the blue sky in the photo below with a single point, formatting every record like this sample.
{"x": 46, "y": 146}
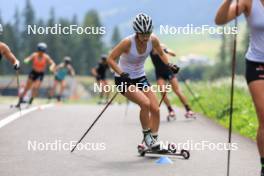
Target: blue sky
{"x": 67, "y": 8}
{"x": 121, "y": 12}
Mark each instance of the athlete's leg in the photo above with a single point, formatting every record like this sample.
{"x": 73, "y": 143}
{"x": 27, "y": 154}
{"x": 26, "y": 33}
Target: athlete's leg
{"x": 35, "y": 90}
{"x": 27, "y": 87}
{"x": 62, "y": 87}
{"x": 107, "y": 94}
{"x": 161, "y": 83}
{"x": 175, "y": 87}
{"x": 53, "y": 89}
{"x": 36, "y": 87}
{"x": 256, "y": 89}
{"x": 154, "y": 111}
{"x": 143, "y": 101}
{"x": 101, "y": 85}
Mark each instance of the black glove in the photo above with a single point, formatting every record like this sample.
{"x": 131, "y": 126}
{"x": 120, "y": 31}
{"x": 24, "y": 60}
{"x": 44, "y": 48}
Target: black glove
{"x": 174, "y": 68}
{"x": 0, "y": 56}
{"x": 125, "y": 77}
{"x": 16, "y": 65}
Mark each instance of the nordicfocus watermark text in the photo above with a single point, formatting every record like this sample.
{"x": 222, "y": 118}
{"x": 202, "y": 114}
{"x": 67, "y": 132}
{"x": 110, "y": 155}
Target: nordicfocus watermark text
{"x": 124, "y": 87}
{"x": 199, "y": 146}
{"x": 190, "y": 29}
{"x": 58, "y": 29}
{"x": 58, "y": 145}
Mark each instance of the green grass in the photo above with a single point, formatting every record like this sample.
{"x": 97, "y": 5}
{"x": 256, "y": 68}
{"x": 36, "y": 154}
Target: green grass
{"x": 215, "y": 98}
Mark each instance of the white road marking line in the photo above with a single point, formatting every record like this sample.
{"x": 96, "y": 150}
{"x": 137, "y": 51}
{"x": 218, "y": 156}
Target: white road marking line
{"x": 18, "y": 114}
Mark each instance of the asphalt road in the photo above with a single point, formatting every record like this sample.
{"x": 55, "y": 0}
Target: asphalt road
{"x": 112, "y": 144}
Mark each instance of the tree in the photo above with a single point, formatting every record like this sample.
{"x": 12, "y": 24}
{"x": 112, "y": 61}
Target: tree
{"x": 17, "y": 34}
{"x": 91, "y": 45}
{"x": 115, "y": 37}
{"x": 51, "y": 39}
{"x": 29, "y": 43}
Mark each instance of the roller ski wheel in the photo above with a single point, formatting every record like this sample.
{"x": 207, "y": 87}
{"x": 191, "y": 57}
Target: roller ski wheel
{"x": 185, "y": 154}
{"x": 141, "y": 149}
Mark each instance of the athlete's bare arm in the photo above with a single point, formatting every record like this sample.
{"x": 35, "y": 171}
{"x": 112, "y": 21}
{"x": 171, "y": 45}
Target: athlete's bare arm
{"x": 94, "y": 72}
{"x": 157, "y": 47}
{"x": 227, "y": 11}
{"x": 122, "y": 47}
{"x": 51, "y": 63}
{"x": 168, "y": 51}
{"x": 6, "y": 52}
{"x": 71, "y": 70}
{"x": 29, "y": 58}
{"x": 61, "y": 65}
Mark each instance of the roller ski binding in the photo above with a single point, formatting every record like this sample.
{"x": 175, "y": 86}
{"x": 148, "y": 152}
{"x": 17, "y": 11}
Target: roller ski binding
{"x": 190, "y": 115}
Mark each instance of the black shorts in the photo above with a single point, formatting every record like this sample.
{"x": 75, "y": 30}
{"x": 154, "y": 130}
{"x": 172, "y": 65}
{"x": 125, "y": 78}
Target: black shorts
{"x": 254, "y": 71}
{"x": 33, "y": 75}
{"x": 100, "y": 78}
{"x": 141, "y": 83}
{"x": 168, "y": 75}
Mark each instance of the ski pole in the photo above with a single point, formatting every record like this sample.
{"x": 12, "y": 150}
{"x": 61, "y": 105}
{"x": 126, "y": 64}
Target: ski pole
{"x": 18, "y": 86}
{"x": 194, "y": 96}
{"x": 95, "y": 121}
{"x": 232, "y": 91}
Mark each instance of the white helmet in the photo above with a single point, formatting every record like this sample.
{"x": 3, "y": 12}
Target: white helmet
{"x": 42, "y": 47}
{"x": 67, "y": 59}
{"x": 142, "y": 23}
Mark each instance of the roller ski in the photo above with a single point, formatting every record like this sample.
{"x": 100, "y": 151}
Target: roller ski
{"x": 170, "y": 151}
{"x": 21, "y": 102}
{"x": 150, "y": 145}
{"x": 190, "y": 115}
{"x": 171, "y": 116}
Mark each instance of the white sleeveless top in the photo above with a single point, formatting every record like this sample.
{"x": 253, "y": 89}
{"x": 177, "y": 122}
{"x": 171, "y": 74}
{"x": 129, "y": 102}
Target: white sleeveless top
{"x": 256, "y": 25}
{"x": 133, "y": 62}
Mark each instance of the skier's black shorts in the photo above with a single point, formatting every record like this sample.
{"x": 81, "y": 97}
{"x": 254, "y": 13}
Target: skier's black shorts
{"x": 33, "y": 75}
{"x": 254, "y": 71}
{"x": 166, "y": 75}
{"x": 100, "y": 77}
{"x": 141, "y": 83}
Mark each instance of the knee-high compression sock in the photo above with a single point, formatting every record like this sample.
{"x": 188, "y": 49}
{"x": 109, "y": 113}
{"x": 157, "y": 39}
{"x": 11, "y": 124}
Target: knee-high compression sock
{"x": 187, "y": 107}
{"x": 31, "y": 100}
{"x": 170, "y": 108}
